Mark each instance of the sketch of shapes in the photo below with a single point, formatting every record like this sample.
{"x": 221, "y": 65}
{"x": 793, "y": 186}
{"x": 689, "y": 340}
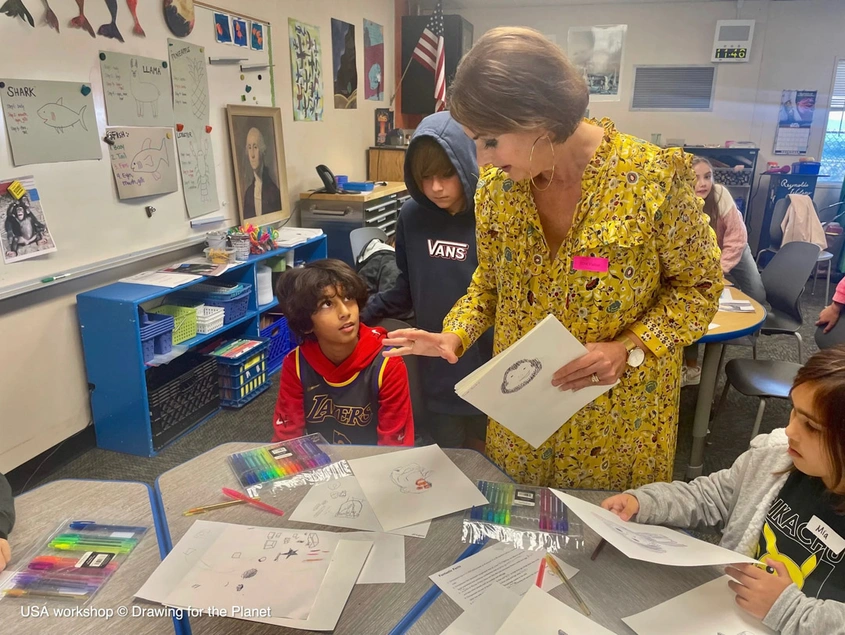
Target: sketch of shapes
{"x": 143, "y": 92}
{"x": 290, "y": 552}
{"x": 333, "y": 485}
{"x": 411, "y": 479}
{"x": 236, "y": 555}
{"x": 262, "y": 558}
{"x": 646, "y": 540}
{"x": 189, "y": 551}
{"x": 149, "y": 159}
{"x": 58, "y": 116}
{"x": 195, "y": 586}
{"x": 350, "y": 509}
{"x": 520, "y": 374}
{"x": 270, "y": 544}
{"x": 239, "y": 587}
{"x": 249, "y": 573}
{"x": 340, "y": 494}
{"x": 273, "y": 535}
{"x": 312, "y": 540}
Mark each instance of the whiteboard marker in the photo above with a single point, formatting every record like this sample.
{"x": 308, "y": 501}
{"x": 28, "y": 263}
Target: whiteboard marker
{"x": 54, "y": 278}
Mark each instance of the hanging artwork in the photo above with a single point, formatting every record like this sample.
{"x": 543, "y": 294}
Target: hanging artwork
{"x": 596, "y": 51}
{"x": 344, "y": 65}
{"x": 133, "y": 9}
{"x": 143, "y": 161}
{"x": 795, "y": 118}
{"x": 80, "y": 21}
{"x": 222, "y": 28}
{"x": 384, "y": 124}
{"x": 179, "y": 16}
{"x": 196, "y": 162}
{"x": 23, "y": 228}
{"x": 16, "y": 9}
{"x": 256, "y": 36}
{"x": 50, "y": 17}
{"x": 136, "y": 90}
{"x": 239, "y": 32}
{"x": 50, "y": 121}
{"x": 373, "y": 61}
{"x": 109, "y": 29}
{"x": 306, "y": 71}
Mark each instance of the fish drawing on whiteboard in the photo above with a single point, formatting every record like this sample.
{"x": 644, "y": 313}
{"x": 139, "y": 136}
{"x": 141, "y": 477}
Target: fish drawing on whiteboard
{"x": 58, "y": 116}
{"x": 149, "y": 159}
{"x": 411, "y": 479}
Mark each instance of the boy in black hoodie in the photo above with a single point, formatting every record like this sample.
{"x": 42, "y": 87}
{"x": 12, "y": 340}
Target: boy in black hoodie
{"x": 435, "y": 252}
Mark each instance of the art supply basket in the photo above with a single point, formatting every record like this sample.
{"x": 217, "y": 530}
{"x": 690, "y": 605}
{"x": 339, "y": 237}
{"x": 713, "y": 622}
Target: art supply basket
{"x": 185, "y": 321}
{"x": 525, "y": 517}
{"x": 281, "y": 342}
{"x": 72, "y": 564}
{"x": 302, "y": 461}
{"x": 210, "y": 318}
{"x": 242, "y": 377}
{"x": 233, "y": 298}
{"x": 156, "y": 334}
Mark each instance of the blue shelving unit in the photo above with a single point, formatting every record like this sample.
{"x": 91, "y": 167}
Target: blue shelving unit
{"x": 111, "y": 340}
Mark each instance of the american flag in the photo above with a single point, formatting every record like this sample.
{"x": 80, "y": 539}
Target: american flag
{"x": 429, "y": 52}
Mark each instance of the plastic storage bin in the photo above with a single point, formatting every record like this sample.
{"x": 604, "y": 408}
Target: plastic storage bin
{"x": 806, "y": 167}
{"x": 185, "y": 321}
{"x": 242, "y": 377}
{"x": 156, "y": 334}
{"x": 234, "y": 299}
{"x": 210, "y": 318}
{"x": 281, "y": 342}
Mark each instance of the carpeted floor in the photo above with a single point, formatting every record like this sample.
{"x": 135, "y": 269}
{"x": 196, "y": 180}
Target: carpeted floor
{"x": 253, "y": 422}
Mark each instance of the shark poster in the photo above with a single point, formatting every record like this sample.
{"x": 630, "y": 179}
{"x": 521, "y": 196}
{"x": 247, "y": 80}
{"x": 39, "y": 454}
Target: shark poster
{"x": 143, "y": 161}
{"x": 50, "y": 121}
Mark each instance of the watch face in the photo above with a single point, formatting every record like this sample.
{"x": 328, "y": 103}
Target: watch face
{"x": 636, "y": 357}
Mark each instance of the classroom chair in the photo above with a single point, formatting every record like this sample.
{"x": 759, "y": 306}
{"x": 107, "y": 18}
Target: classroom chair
{"x": 835, "y": 337}
{"x": 414, "y": 380}
{"x": 361, "y": 237}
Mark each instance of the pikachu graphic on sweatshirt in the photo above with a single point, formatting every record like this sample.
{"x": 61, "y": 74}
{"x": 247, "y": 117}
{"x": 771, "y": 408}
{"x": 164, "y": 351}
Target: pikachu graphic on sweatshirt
{"x": 798, "y": 574}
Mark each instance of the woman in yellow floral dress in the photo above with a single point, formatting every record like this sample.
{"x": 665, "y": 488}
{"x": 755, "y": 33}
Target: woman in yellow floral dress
{"x": 598, "y": 228}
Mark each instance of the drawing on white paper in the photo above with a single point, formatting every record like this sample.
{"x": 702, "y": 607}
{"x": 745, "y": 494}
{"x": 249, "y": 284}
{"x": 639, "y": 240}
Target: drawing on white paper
{"x": 199, "y": 91}
{"x": 203, "y": 170}
{"x": 270, "y": 544}
{"x": 58, "y": 116}
{"x": 646, "y": 540}
{"x": 290, "y": 552}
{"x": 411, "y": 479}
{"x": 236, "y": 555}
{"x": 350, "y": 509}
{"x": 520, "y": 374}
{"x": 145, "y": 93}
{"x": 149, "y": 159}
{"x": 249, "y": 573}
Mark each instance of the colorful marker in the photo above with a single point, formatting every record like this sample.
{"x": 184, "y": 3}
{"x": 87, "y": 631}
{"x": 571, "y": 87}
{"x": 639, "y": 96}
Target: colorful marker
{"x": 90, "y": 525}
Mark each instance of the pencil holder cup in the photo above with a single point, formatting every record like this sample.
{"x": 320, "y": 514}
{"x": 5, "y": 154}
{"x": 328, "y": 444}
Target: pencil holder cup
{"x": 240, "y": 243}
{"x": 216, "y": 239}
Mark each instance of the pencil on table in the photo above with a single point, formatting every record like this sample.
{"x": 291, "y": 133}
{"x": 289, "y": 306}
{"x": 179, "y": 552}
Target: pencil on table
{"x": 559, "y": 573}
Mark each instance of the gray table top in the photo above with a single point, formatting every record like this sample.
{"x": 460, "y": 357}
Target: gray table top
{"x": 372, "y": 608}
{"x": 613, "y": 586}
{"x": 39, "y": 513}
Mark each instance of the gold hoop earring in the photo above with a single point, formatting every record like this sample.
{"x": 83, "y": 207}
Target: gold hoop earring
{"x": 531, "y": 157}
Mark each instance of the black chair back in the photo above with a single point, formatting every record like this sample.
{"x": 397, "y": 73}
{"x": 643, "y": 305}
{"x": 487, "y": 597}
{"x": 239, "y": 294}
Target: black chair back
{"x": 835, "y": 337}
{"x": 414, "y": 379}
{"x": 786, "y": 274}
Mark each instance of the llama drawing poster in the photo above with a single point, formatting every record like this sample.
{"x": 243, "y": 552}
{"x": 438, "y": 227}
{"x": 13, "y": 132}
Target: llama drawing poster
{"x": 136, "y": 90}
{"x": 412, "y": 486}
{"x": 50, "y": 121}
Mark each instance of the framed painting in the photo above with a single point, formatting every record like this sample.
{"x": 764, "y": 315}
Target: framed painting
{"x": 258, "y": 160}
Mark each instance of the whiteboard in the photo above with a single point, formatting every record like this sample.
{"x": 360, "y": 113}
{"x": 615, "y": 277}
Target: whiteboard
{"x": 92, "y": 228}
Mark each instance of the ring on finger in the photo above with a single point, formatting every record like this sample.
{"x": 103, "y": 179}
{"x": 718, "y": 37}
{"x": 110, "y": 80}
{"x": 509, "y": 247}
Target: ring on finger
{"x": 595, "y": 378}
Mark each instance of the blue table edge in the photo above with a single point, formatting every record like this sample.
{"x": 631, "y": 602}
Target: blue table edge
{"x": 717, "y": 338}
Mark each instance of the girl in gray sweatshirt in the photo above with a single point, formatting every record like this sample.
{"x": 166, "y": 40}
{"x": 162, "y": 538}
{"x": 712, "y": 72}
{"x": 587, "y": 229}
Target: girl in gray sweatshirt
{"x": 782, "y": 502}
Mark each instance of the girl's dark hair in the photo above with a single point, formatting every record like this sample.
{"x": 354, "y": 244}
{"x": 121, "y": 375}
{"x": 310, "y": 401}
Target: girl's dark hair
{"x": 711, "y": 201}
{"x": 826, "y": 372}
{"x": 515, "y": 80}
{"x": 301, "y": 290}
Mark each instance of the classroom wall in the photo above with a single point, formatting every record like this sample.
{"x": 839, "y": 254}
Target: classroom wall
{"x": 795, "y": 47}
{"x": 43, "y": 388}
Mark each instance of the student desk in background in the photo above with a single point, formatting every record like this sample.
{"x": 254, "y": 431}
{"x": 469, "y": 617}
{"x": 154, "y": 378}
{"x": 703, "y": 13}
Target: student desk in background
{"x": 40, "y": 511}
{"x": 372, "y": 608}
{"x": 613, "y": 585}
{"x": 731, "y": 326}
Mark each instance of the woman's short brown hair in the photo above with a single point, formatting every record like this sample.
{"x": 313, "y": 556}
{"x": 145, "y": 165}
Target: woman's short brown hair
{"x": 428, "y": 159}
{"x": 826, "y": 372}
{"x": 516, "y": 80}
{"x": 300, "y": 291}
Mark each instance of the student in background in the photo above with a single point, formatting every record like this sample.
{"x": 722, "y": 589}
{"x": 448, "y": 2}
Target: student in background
{"x": 436, "y": 256}
{"x": 738, "y": 264}
{"x": 829, "y": 316}
{"x": 7, "y": 521}
{"x": 337, "y": 383}
{"x": 766, "y": 504}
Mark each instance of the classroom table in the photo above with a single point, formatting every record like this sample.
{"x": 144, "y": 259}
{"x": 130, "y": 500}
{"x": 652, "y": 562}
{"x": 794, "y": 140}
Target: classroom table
{"x": 613, "y": 586}
{"x": 371, "y": 608}
{"x": 731, "y": 326}
{"x": 39, "y": 513}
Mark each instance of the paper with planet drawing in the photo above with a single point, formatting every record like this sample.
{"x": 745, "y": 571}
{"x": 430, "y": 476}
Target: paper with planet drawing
{"x": 48, "y": 121}
{"x": 143, "y": 161}
{"x": 515, "y": 387}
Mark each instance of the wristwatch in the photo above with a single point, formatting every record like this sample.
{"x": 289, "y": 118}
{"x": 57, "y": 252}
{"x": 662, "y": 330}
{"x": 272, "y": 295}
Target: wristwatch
{"x": 636, "y": 355}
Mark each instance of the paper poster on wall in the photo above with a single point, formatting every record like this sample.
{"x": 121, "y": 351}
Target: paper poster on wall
{"x": 306, "y": 71}
{"x": 795, "y": 118}
{"x": 256, "y": 36}
{"x": 239, "y": 32}
{"x": 222, "y": 28}
{"x": 23, "y": 228}
{"x": 344, "y": 65}
{"x": 143, "y": 161}
{"x": 596, "y": 51}
{"x": 50, "y": 121}
{"x": 190, "y": 83}
{"x": 196, "y": 162}
{"x": 373, "y": 61}
{"x": 136, "y": 90}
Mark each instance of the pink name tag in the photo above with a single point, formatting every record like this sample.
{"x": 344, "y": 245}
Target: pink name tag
{"x": 587, "y": 263}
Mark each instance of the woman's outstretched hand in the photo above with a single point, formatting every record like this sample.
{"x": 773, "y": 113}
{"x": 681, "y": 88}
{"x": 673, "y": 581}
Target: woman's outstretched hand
{"x": 419, "y": 342}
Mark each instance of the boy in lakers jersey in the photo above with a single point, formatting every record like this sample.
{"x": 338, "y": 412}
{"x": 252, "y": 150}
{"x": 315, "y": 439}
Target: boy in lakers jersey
{"x": 337, "y": 382}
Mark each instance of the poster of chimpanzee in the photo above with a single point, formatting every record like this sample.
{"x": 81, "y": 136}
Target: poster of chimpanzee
{"x": 23, "y": 227}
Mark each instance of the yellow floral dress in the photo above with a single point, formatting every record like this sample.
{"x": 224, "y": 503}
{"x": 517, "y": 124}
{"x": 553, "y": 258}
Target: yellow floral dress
{"x": 638, "y": 210}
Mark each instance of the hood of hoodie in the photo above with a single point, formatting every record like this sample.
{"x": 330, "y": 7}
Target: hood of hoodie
{"x": 452, "y": 138}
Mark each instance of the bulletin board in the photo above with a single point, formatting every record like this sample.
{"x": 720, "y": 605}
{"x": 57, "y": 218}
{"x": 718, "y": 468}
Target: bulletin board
{"x": 92, "y": 228}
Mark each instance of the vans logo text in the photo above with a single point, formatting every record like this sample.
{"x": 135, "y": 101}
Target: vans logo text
{"x": 447, "y": 249}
